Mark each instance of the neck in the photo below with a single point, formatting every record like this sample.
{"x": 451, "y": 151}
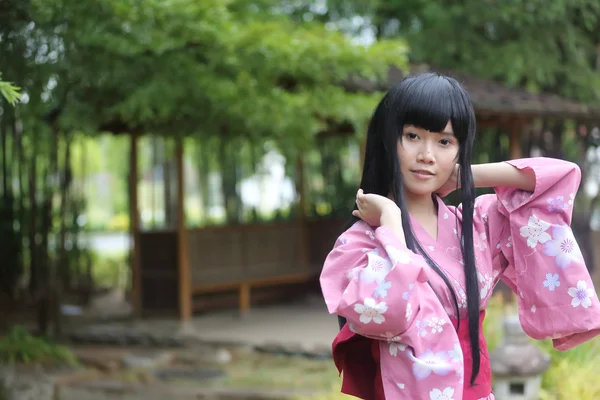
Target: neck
{"x": 420, "y": 205}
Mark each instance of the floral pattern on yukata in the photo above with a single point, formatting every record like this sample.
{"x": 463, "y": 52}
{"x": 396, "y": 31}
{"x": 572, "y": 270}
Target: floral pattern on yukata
{"x": 388, "y": 293}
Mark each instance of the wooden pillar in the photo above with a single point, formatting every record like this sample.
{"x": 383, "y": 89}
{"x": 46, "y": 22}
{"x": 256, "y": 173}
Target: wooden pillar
{"x": 183, "y": 267}
{"x": 134, "y": 227}
{"x": 303, "y": 247}
{"x": 514, "y": 140}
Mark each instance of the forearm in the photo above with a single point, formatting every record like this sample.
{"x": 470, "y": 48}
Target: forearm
{"x": 502, "y": 174}
{"x": 392, "y": 219}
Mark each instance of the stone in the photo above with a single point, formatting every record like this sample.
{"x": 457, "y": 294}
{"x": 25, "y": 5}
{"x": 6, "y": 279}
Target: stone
{"x": 202, "y": 355}
{"x": 30, "y": 384}
{"x": 147, "y": 361}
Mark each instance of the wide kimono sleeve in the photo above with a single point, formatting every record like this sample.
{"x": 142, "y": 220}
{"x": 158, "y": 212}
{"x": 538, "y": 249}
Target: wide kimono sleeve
{"x": 537, "y": 255}
{"x": 381, "y": 288}
{"x": 372, "y": 279}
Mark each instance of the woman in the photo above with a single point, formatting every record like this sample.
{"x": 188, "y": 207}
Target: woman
{"x": 412, "y": 276}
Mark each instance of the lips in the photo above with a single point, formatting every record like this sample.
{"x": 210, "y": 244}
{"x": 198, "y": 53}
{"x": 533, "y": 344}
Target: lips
{"x": 423, "y": 172}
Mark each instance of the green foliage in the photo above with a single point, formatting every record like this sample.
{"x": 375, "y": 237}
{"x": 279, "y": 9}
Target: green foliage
{"x": 211, "y": 67}
{"x": 579, "y": 364}
{"x": 9, "y": 91}
{"x": 110, "y": 270}
{"x": 536, "y": 44}
{"x": 20, "y": 347}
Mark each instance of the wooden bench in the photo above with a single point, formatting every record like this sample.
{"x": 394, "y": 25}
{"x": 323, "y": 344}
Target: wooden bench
{"x": 244, "y": 287}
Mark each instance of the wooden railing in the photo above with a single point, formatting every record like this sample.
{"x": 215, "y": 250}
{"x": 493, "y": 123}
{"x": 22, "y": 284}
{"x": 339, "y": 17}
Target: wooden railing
{"x": 235, "y": 258}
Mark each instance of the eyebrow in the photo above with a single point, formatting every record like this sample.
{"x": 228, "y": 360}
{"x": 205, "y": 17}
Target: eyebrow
{"x": 447, "y": 133}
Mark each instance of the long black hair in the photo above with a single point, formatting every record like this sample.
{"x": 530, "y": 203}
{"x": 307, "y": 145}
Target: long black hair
{"x": 427, "y": 101}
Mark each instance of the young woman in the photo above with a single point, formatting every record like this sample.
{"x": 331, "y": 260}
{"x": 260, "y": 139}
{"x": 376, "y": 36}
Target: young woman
{"x": 412, "y": 276}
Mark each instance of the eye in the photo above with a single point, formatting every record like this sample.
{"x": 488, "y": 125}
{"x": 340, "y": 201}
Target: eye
{"x": 411, "y": 136}
{"x": 445, "y": 142}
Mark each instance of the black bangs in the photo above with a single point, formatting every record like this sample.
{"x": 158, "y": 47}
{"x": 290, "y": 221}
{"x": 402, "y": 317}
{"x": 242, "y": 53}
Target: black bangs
{"x": 428, "y": 101}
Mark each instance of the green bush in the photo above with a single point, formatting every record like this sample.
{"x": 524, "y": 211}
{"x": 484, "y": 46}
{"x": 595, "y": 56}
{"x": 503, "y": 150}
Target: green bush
{"x": 20, "y": 347}
{"x": 110, "y": 270}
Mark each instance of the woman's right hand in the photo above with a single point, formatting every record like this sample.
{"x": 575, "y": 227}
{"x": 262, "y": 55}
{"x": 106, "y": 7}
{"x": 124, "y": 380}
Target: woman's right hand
{"x": 375, "y": 209}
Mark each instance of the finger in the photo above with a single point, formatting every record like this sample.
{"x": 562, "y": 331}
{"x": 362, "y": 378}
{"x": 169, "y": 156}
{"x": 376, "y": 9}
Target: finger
{"x": 356, "y": 213}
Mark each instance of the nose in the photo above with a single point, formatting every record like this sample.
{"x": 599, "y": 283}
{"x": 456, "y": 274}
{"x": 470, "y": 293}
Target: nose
{"x": 425, "y": 154}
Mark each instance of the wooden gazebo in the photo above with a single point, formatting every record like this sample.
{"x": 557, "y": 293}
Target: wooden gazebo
{"x": 170, "y": 268}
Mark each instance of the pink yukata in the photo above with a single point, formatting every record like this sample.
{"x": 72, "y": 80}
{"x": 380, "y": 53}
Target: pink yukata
{"x": 390, "y": 294}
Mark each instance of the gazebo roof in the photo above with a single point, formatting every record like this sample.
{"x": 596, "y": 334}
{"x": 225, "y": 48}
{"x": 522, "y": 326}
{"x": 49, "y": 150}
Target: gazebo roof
{"x": 492, "y": 98}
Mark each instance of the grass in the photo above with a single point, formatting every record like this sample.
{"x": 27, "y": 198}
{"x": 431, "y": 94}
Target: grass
{"x": 20, "y": 347}
{"x": 258, "y": 370}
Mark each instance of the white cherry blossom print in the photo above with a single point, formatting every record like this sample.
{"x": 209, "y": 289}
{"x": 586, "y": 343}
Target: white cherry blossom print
{"x": 563, "y": 247}
{"x": 552, "y": 282}
{"x": 396, "y": 347}
{"x": 437, "y": 325}
{"x": 535, "y": 231}
{"x": 456, "y": 354}
{"x": 461, "y": 296}
{"x": 382, "y": 290}
{"x": 397, "y": 256}
{"x": 485, "y": 285}
{"x": 557, "y": 204}
{"x": 446, "y": 394}
{"x": 461, "y": 376}
{"x": 429, "y": 362}
{"x": 376, "y": 269}
{"x": 482, "y": 244}
{"x": 353, "y": 273}
{"x": 370, "y": 234}
{"x": 582, "y": 295}
{"x": 408, "y": 311}
{"x": 394, "y": 344}
{"x": 422, "y": 325}
{"x": 371, "y": 311}
{"x": 343, "y": 240}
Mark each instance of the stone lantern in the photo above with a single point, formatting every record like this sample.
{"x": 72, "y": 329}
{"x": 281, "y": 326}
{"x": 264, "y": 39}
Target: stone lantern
{"x": 517, "y": 364}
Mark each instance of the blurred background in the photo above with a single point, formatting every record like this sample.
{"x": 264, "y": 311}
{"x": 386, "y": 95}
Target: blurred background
{"x": 174, "y": 172}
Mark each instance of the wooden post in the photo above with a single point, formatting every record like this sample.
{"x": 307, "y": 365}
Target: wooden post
{"x": 303, "y": 247}
{"x": 514, "y": 140}
{"x": 134, "y": 227}
{"x": 244, "y": 299}
{"x": 185, "y": 292}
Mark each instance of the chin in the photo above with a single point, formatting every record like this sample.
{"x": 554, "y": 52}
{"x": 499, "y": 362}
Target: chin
{"x": 421, "y": 190}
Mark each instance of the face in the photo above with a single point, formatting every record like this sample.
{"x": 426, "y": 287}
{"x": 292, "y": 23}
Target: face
{"x": 427, "y": 159}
